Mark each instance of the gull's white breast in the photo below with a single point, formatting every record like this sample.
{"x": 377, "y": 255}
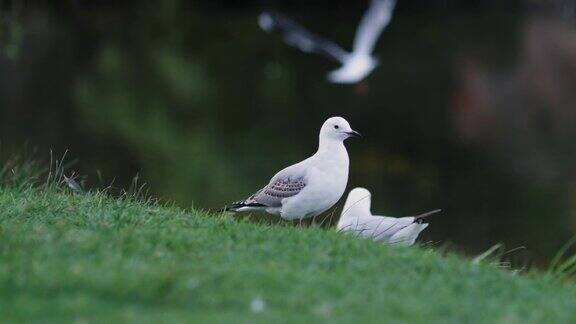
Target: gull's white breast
{"x": 326, "y": 179}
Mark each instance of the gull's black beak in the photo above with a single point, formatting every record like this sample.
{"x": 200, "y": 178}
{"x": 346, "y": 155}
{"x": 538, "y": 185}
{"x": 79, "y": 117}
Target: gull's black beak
{"x": 354, "y": 134}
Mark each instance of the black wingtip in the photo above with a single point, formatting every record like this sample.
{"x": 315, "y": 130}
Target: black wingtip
{"x": 232, "y": 207}
{"x": 239, "y": 204}
{"x": 225, "y": 209}
{"x": 421, "y": 216}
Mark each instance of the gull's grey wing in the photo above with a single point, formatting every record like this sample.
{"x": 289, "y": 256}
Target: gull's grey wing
{"x": 408, "y": 235}
{"x": 376, "y": 18}
{"x": 295, "y": 35}
{"x": 278, "y": 189}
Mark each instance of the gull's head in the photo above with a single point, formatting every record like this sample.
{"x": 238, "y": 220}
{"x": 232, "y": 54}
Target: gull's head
{"x": 357, "y": 204}
{"x": 337, "y": 128}
{"x": 265, "y": 21}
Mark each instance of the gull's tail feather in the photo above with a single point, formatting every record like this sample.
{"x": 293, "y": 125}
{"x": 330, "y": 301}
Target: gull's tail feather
{"x": 242, "y": 205}
{"x": 418, "y": 218}
{"x": 297, "y": 36}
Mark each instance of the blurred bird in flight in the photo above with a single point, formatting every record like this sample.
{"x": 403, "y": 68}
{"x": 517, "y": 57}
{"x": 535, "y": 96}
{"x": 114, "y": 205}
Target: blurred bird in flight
{"x": 357, "y": 64}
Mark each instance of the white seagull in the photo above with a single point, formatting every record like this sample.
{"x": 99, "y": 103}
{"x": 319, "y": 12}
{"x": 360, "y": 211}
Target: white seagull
{"x": 356, "y": 65}
{"x": 308, "y": 188}
{"x": 357, "y": 218}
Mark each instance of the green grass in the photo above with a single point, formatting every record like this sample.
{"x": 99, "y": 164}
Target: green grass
{"x": 91, "y": 258}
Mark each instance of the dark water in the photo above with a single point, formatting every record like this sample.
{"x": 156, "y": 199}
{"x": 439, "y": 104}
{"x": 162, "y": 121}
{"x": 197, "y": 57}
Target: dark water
{"x": 472, "y": 109}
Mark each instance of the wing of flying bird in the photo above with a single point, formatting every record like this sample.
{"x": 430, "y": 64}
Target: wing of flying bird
{"x": 297, "y": 36}
{"x": 376, "y": 18}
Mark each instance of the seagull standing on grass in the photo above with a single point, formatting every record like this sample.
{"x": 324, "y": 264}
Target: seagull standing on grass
{"x": 357, "y": 218}
{"x": 356, "y": 65}
{"x": 308, "y": 188}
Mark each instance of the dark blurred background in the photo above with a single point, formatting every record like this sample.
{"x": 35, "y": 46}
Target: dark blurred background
{"x": 472, "y": 110}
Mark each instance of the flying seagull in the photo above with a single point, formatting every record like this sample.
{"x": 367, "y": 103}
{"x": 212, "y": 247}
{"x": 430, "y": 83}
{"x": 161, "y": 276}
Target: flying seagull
{"x": 357, "y": 218}
{"x": 308, "y": 188}
{"x": 356, "y": 65}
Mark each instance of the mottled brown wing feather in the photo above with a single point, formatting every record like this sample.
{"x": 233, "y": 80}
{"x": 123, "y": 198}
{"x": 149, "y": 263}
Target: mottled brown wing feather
{"x": 273, "y": 193}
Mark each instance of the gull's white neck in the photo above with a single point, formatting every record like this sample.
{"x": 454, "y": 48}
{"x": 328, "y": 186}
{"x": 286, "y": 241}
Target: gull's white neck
{"x": 332, "y": 154}
{"x": 329, "y": 145}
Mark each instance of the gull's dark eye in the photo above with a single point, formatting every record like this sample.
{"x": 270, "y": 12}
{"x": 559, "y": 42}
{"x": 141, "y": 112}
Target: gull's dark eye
{"x": 336, "y": 126}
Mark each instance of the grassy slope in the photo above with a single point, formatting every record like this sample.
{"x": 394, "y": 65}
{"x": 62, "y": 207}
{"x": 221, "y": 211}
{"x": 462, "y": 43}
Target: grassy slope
{"x": 66, "y": 257}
